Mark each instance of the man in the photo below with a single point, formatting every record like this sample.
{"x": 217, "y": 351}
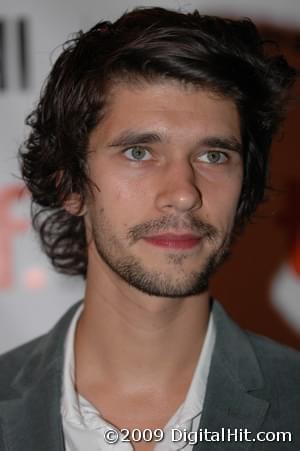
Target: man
{"x": 147, "y": 154}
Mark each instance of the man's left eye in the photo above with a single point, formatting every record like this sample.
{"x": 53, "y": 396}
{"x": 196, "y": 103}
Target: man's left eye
{"x": 214, "y": 157}
{"x": 137, "y": 153}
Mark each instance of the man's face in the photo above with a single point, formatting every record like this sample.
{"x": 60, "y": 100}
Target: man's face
{"x": 167, "y": 162}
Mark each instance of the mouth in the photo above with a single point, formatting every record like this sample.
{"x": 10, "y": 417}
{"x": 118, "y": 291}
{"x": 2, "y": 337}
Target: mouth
{"x": 172, "y": 241}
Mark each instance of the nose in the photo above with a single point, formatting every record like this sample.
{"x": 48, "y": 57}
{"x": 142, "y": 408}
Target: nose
{"x": 177, "y": 188}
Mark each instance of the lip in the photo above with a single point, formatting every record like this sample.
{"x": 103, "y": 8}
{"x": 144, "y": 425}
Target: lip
{"x": 172, "y": 241}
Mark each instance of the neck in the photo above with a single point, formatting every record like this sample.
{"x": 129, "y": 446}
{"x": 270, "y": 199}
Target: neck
{"x": 134, "y": 340}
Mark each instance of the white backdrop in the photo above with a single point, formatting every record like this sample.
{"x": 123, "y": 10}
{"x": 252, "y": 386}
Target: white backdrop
{"x": 32, "y": 296}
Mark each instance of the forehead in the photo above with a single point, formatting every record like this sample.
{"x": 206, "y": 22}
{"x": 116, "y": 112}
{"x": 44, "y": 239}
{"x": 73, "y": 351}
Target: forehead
{"x": 170, "y": 108}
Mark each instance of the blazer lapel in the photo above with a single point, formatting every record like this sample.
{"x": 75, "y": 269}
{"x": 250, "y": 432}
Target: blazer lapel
{"x": 30, "y": 418}
{"x": 230, "y": 405}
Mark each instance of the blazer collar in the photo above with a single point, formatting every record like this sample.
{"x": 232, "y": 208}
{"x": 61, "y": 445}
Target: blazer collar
{"x": 232, "y": 403}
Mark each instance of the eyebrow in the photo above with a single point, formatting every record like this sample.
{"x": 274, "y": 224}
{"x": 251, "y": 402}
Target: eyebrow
{"x": 133, "y": 138}
{"x": 230, "y": 143}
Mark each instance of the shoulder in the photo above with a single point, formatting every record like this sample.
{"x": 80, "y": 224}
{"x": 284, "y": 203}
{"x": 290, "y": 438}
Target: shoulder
{"x": 244, "y": 349}
{"x": 11, "y": 362}
{"x": 267, "y": 369}
{"x": 264, "y": 369}
{"x": 275, "y": 358}
{"x": 280, "y": 368}
{"x": 21, "y": 367}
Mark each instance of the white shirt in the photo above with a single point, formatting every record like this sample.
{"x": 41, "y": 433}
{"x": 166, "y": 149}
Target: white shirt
{"x": 84, "y": 427}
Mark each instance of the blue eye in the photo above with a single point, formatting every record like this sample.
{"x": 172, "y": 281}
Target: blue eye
{"x": 214, "y": 157}
{"x": 137, "y": 153}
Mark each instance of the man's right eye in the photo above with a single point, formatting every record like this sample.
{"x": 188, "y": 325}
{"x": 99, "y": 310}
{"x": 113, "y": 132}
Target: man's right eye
{"x": 137, "y": 153}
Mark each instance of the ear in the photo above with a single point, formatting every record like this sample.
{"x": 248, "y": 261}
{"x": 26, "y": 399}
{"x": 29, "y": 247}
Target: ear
{"x": 73, "y": 205}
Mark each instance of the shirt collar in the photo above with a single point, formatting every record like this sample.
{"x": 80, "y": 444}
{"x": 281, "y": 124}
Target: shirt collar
{"x": 70, "y": 407}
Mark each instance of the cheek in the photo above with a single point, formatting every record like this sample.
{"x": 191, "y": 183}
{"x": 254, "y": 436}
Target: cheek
{"x": 123, "y": 198}
{"x": 220, "y": 199}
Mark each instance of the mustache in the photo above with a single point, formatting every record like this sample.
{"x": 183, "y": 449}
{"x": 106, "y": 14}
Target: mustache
{"x": 165, "y": 223}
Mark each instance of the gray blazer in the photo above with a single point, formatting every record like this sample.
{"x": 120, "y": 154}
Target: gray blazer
{"x": 253, "y": 383}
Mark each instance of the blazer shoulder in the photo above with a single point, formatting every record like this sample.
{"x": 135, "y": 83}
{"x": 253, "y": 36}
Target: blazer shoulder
{"x": 276, "y": 360}
{"x": 12, "y": 361}
{"x": 21, "y": 367}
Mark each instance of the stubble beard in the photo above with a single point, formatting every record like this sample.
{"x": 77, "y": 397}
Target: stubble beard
{"x": 153, "y": 282}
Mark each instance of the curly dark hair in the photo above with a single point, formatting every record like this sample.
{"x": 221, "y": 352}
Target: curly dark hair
{"x": 222, "y": 55}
